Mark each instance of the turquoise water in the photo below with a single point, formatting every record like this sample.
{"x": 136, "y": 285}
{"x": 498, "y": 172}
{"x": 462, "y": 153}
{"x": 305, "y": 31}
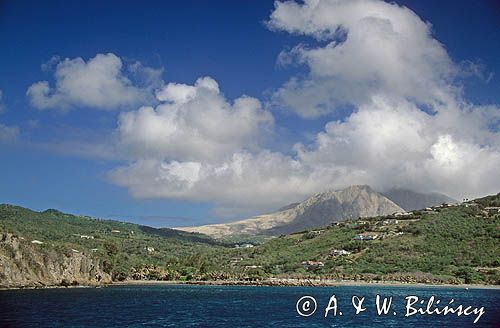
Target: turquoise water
{"x": 233, "y": 306}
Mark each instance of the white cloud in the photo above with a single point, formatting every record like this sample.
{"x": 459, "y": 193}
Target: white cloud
{"x": 101, "y": 83}
{"x": 193, "y": 122}
{"x": 385, "y": 144}
{"x": 410, "y": 126}
{"x": 363, "y": 48}
{"x": 243, "y": 183}
{"x": 8, "y": 133}
{"x": 195, "y": 145}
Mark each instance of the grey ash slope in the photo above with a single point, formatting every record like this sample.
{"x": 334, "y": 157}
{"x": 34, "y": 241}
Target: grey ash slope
{"x": 317, "y": 211}
{"x": 412, "y": 200}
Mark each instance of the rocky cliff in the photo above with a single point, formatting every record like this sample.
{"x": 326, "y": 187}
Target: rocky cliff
{"x": 24, "y": 264}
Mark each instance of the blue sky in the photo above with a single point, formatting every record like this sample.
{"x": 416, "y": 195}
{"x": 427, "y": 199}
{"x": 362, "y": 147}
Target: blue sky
{"x": 78, "y": 156}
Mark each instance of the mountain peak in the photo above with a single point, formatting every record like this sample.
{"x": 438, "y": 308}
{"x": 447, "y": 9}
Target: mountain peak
{"x": 353, "y": 188}
{"x": 317, "y": 211}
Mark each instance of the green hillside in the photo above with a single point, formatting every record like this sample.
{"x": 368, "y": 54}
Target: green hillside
{"x": 456, "y": 244}
{"x": 441, "y": 245}
{"x": 120, "y": 246}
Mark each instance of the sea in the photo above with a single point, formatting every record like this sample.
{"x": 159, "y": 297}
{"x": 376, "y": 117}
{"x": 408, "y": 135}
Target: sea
{"x": 248, "y": 306}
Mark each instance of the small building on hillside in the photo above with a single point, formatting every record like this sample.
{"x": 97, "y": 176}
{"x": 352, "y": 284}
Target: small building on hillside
{"x": 37, "y": 242}
{"x": 235, "y": 260}
{"x": 398, "y": 214}
{"x": 312, "y": 265}
{"x": 253, "y": 266}
{"x": 492, "y": 210}
{"x": 86, "y": 237}
{"x": 246, "y": 245}
{"x": 471, "y": 204}
{"x": 366, "y": 237}
{"x": 339, "y": 252}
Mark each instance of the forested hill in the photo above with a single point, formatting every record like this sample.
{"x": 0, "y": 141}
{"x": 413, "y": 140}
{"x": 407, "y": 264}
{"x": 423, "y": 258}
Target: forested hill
{"x": 58, "y": 226}
{"x": 51, "y": 247}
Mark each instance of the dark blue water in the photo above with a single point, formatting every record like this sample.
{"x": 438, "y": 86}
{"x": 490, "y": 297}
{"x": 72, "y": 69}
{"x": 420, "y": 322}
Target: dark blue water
{"x": 240, "y": 306}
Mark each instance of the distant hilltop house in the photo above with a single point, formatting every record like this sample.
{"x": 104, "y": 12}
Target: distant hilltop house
{"x": 235, "y": 260}
{"x": 366, "y": 237}
{"x": 37, "y": 242}
{"x": 115, "y": 231}
{"x": 253, "y": 266}
{"x": 390, "y": 221}
{"x": 340, "y": 252}
{"x": 448, "y": 205}
{"x": 75, "y": 250}
{"x": 150, "y": 249}
{"x": 247, "y": 245}
{"x": 429, "y": 210}
{"x": 312, "y": 265}
{"x": 469, "y": 204}
{"x": 397, "y": 214}
{"x": 492, "y": 209}
{"x": 86, "y": 237}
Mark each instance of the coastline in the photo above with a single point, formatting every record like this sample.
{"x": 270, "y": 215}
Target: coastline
{"x": 300, "y": 283}
{"x": 263, "y": 283}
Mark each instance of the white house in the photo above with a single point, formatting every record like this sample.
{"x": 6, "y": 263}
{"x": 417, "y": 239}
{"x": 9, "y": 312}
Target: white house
{"x": 248, "y": 245}
{"x": 311, "y": 265}
{"x": 340, "y": 252}
{"x": 366, "y": 237}
{"x": 86, "y": 237}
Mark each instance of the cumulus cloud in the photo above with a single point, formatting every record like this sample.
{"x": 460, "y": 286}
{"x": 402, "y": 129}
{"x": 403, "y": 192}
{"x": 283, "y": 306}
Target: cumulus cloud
{"x": 387, "y": 144}
{"x": 192, "y": 144}
{"x": 384, "y": 144}
{"x": 363, "y": 48}
{"x": 240, "y": 184}
{"x": 410, "y": 126}
{"x": 101, "y": 82}
{"x": 194, "y": 123}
